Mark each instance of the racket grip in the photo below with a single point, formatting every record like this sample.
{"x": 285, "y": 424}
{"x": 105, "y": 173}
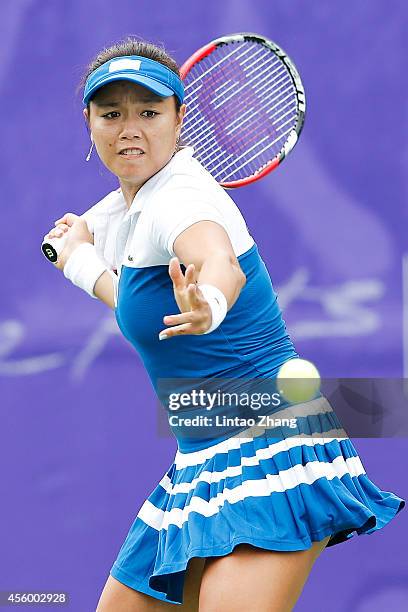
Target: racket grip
{"x": 52, "y": 247}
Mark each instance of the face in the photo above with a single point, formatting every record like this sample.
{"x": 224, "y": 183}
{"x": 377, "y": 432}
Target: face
{"x": 134, "y": 130}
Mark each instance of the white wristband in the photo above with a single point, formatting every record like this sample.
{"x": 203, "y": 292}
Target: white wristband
{"x": 218, "y": 304}
{"x": 84, "y": 267}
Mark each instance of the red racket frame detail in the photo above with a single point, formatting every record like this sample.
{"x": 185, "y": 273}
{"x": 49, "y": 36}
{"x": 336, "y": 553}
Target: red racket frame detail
{"x": 195, "y": 58}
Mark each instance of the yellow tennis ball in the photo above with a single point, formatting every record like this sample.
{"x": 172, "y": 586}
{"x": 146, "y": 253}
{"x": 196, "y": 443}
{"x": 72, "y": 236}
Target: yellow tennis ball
{"x": 298, "y": 380}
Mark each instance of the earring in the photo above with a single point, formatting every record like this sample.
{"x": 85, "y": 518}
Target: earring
{"x": 88, "y": 157}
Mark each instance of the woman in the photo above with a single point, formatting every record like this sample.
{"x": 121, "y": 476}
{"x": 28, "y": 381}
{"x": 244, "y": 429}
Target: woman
{"x": 237, "y": 521}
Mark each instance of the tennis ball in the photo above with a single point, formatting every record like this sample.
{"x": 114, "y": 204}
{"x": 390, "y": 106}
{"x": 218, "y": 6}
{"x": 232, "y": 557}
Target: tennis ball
{"x": 298, "y": 380}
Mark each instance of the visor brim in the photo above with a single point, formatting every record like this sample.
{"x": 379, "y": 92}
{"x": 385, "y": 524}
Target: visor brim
{"x": 158, "y": 88}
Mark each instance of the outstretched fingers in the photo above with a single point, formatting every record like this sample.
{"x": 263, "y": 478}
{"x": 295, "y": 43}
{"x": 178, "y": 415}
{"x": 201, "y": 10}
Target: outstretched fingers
{"x": 176, "y": 274}
{"x": 181, "y": 281}
{"x": 190, "y": 274}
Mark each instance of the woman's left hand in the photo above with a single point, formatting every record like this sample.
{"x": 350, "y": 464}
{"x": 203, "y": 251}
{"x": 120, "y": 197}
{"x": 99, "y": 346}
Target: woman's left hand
{"x": 195, "y": 317}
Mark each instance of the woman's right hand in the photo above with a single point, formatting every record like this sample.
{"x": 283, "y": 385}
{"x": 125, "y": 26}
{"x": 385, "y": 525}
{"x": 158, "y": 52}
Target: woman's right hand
{"x": 77, "y": 233}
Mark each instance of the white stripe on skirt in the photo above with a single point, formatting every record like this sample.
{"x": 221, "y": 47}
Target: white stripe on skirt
{"x": 284, "y": 480}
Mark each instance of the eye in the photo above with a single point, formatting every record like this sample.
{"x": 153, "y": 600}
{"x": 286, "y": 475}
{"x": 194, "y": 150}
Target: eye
{"x": 150, "y": 113}
{"x": 109, "y": 115}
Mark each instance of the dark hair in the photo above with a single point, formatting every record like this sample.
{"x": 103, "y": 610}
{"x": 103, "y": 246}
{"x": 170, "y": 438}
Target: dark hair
{"x": 133, "y": 46}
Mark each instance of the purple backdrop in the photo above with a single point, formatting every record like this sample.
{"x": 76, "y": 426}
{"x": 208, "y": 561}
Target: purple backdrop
{"x": 78, "y": 411}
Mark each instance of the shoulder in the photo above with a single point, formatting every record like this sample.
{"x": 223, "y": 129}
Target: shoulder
{"x": 184, "y": 181}
{"x": 189, "y": 173}
{"x": 186, "y": 194}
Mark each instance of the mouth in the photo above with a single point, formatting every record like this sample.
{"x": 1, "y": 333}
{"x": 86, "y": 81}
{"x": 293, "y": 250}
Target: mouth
{"x": 131, "y": 152}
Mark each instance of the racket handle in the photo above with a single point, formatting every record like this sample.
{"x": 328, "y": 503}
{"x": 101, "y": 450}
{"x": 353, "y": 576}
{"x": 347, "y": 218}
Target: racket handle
{"x": 52, "y": 247}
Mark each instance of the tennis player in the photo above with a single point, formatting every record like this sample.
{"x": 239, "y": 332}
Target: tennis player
{"x": 236, "y": 523}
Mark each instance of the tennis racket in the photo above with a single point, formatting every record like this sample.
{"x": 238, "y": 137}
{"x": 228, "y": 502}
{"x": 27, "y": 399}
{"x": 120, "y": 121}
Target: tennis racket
{"x": 245, "y": 107}
{"x": 245, "y": 111}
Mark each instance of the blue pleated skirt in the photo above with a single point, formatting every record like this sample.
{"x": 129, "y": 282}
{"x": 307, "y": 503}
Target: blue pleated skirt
{"x": 276, "y": 493}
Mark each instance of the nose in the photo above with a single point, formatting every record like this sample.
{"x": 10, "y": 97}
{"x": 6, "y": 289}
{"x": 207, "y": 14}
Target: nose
{"x": 131, "y": 128}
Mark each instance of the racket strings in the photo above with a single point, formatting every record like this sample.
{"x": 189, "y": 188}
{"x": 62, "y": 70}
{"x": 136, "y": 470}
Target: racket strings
{"x": 248, "y": 145}
{"x": 213, "y": 66}
{"x": 244, "y": 137}
{"x": 241, "y": 138}
{"x": 267, "y": 83}
{"x": 242, "y": 120}
{"x": 248, "y": 116}
{"x": 227, "y": 73}
{"x": 227, "y": 70}
{"x": 243, "y": 107}
{"x": 205, "y": 90}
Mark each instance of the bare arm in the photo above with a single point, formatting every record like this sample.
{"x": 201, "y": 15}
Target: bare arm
{"x": 207, "y": 252}
{"x": 207, "y": 245}
{"x": 104, "y": 289}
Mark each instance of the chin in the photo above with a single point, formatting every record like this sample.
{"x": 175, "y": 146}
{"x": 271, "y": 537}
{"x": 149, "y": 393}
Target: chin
{"x": 129, "y": 171}
{"x": 133, "y": 177}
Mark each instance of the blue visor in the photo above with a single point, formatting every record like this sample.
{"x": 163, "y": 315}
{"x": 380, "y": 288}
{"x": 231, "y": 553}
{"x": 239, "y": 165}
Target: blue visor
{"x": 141, "y": 70}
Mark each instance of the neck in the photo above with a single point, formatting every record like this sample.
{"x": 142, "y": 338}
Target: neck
{"x": 129, "y": 191}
